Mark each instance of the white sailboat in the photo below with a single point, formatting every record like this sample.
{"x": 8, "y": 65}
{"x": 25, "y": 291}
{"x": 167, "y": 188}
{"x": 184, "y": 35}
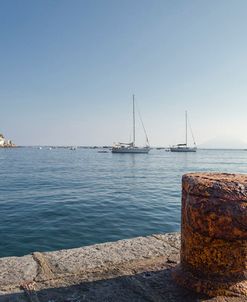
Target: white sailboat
{"x": 184, "y": 147}
{"x": 131, "y": 147}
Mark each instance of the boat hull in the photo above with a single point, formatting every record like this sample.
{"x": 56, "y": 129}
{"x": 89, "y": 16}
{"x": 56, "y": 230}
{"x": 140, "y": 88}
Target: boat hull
{"x": 186, "y": 149}
{"x": 131, "y": 150}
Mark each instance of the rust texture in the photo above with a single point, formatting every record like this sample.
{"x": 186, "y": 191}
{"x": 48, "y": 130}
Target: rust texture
{"x": 214, "y": 234}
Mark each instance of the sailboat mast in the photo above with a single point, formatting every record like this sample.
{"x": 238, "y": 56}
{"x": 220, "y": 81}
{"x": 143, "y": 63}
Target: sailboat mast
{"x": 186, "y": 127}
{"x": 134, "y": 132}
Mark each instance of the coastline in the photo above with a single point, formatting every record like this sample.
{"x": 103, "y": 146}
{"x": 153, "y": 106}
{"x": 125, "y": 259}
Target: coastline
{"x": 8, "y": 146}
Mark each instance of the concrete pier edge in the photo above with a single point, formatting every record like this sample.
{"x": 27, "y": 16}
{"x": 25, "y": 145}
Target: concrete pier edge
{"x": 137, "y": 269}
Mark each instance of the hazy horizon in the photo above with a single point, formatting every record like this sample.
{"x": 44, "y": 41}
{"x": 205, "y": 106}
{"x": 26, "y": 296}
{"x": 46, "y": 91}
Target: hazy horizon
{"x": 69, "y": 69}
{"x": 215, "y": 143}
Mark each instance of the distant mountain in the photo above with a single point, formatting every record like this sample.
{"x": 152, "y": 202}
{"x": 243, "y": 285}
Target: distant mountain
{"x": 224, "y": 143}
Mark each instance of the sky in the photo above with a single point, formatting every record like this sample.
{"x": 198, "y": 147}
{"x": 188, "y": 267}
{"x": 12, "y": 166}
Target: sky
{"x": 68, "y": 70}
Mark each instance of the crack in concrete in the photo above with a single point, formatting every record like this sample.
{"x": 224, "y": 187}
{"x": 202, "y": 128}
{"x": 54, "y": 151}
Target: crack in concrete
{"x": 165, "y": 241}
{"x": 44, "y": 268}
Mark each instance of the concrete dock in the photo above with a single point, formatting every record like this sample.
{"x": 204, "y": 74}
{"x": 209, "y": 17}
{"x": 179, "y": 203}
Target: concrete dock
{"x": 137, "y": 269}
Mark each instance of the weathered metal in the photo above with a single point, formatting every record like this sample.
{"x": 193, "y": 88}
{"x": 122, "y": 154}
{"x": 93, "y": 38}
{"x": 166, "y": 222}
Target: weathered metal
{"x": 214, "y": 234}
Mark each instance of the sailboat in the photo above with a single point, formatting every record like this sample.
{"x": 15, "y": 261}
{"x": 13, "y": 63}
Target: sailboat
{"x": 184, "y": 147}
{"x": 131, "y": 147}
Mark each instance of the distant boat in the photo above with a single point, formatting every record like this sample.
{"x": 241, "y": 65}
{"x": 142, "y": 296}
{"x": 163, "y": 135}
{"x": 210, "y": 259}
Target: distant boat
{"x": 131, "y": 147}
{"x": 184, "y": 147}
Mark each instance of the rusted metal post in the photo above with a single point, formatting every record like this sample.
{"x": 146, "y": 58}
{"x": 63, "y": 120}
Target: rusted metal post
{"x": 214, "y": 234}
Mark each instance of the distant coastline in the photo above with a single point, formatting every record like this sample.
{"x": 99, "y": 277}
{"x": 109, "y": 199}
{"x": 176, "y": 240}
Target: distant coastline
{"x": 4, "y": 143}
{"x": 109, "y": 147}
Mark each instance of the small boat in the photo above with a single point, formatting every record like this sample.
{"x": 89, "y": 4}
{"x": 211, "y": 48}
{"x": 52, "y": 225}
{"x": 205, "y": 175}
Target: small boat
{"x": 131, "y": 147}
{"x": 73, "y": 148}
{"x": 102, "y": 151}
{"x": 184, "y": 147}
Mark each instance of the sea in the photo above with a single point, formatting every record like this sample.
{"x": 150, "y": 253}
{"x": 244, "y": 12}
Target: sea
{"x": 57, "y": 198}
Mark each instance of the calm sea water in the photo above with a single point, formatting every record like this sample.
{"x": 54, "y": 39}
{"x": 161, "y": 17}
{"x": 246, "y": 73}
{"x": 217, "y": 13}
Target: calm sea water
{"x": 55, "y": 199}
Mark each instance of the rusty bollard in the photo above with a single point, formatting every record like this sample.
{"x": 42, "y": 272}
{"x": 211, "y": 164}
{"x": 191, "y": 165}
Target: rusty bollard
{"x": 214, "y": 234}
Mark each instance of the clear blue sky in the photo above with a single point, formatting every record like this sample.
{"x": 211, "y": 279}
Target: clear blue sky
{"x": 68, "y": 70}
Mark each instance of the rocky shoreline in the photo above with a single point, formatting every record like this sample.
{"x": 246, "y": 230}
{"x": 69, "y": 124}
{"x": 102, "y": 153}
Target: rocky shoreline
{"x": 8, "y": 146}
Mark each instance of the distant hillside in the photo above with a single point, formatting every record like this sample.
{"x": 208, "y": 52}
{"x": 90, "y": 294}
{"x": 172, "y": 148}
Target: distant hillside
{"x": 224, "y": 143}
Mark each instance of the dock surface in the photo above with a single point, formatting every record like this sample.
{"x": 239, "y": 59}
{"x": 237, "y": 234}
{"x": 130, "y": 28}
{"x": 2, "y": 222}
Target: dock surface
{"x": 137, "y": 269}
